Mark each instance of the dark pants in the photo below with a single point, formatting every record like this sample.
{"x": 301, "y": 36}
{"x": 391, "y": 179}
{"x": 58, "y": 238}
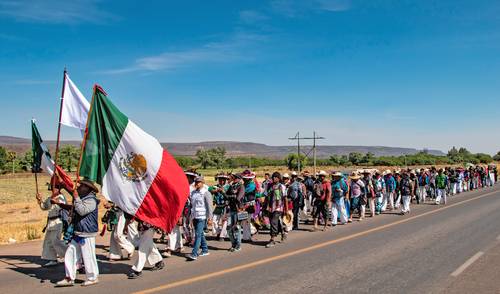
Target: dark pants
{"x": 320, "y": 208}
{"x": 296, "y": 209}
{"x": 199, "y": 239}
{"x": 276, "y": 224}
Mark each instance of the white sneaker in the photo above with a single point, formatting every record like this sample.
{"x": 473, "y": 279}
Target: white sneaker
{"x": 205, "y": 254}
{"x": 65, "y": 283}
{"x": 90, "y": 283}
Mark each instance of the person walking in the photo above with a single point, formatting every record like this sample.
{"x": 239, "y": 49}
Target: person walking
{"x": 390, "y": 189}
{"x": 118, "y": 240}
{"x": 441, "y": 184}
{"x": 219, "y": 227}
{"x": 201, "y": 211}
{"x": 295, "y": 194}
{"x": 423, "y": 181}
{"x": 379, "y": 187}
{"x": 407, "y": 192}
{"x": 357, "y": 196}
{"x": 53, "y": 246}
{"x": 235, "y": 194}
{"x": 82, "y": 244}
{"x": 322, "y": 200}
{"x": 277, "y": 204}
{"x": 369, "y": 190}
{"x": 339, "y": 191}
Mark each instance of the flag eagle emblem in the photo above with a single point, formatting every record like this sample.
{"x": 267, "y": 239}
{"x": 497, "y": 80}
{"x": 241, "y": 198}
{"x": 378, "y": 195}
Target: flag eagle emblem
{"x": 133, "y": 167}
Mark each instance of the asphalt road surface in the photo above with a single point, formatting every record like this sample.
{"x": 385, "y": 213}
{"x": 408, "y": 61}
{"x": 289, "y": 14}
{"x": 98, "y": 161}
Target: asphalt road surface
{"x": 435, "y": 249}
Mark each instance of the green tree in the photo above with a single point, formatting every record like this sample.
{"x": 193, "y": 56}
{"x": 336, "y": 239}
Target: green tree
{"x": 11, "y": 159}
{"x": 496, "y": 157}
{"x": 292, "y": 161}
{"x": 3, "y": 159}
{"x": 368, "y": 159}
{"x": 218, "y": 156}
{"x": 69, "y": 156}
{"x": 484, "y": 158}
{"x": 204, "y": 158}
{"x": 355, "y": 158}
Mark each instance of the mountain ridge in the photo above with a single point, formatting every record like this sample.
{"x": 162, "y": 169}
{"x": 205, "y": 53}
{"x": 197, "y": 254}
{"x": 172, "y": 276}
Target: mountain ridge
{"x": 235, "y": 148}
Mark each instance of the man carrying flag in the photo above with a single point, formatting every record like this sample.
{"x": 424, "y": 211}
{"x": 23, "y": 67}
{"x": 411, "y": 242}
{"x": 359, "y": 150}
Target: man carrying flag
{"x": 53, "y": 246}
{"x": 135, "y": 172}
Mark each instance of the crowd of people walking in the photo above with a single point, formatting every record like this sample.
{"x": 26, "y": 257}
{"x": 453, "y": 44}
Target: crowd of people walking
{"x": 239, "y": 206}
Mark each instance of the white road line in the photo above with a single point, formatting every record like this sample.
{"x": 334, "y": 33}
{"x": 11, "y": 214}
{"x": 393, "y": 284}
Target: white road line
{"x": 464, "y": 266}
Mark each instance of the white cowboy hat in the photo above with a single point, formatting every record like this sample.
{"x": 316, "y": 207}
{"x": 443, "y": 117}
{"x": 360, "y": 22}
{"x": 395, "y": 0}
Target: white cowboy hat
{"x": 322, "y": 173}
{"x": 337, "y": 174}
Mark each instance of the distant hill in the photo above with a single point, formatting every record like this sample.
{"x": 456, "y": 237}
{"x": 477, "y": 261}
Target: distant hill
{"x": 21, "y": 145}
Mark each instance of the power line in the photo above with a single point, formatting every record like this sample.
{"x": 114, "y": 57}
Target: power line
{"x": 314, "y": 138}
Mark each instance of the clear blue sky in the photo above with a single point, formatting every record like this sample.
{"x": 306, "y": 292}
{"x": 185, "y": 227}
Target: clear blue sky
{"x": 396, "y": 73}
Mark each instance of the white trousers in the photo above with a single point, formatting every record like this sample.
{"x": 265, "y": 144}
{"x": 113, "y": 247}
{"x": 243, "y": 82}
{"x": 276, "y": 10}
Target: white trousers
{"x": 454, "y": 188}
{"x": 85, "y": 250}
{"x": 118, "y": 240}
{"x": 421, "y": 193}
{"x": 219, "y": 226}
{"x": 53, "y": 246}
{"x": 492, "y": 179}
{"x": 441, "y": 193}
{"x": 147, "y": 251}
{"x": 397, "y": 201}
{"x": 406, "y": 203}
{"x": 388, "y": 201}
{"x": 338, "y": 208}
{"x": 175, "y": 240}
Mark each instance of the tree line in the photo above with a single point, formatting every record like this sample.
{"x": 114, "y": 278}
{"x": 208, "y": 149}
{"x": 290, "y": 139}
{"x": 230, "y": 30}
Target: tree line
{"x": 11, "y": 162}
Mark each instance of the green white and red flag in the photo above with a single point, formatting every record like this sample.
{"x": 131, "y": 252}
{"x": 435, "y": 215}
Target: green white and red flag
{"x": 42, "y": 159}
{"x": 135, "y": 172}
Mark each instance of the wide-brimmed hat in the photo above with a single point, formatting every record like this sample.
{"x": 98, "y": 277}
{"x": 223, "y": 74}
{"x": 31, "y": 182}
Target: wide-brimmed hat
{"x": 286, "y": 176}
{"x": 294, "y": 174}
{"x": 366, "y": 172}
{"x": 89, "y": 184}
{"x": 221, "y": 176}
{"x": 355, "y": 176}
{"x": 337, "y": 174}
{"x": 306, "y": 173}
{"x": 191, "y": 172}
{"x": 247, "y": 174}
{"x": 322, "y": 173}
{"x": 299, "y": 178}
{"x": 288, "y": 218}
{"x": 388, "y": 172}
{"x": 199, "y": 179}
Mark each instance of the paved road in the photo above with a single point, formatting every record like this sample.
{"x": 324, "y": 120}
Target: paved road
{"x": 425, "y": 252}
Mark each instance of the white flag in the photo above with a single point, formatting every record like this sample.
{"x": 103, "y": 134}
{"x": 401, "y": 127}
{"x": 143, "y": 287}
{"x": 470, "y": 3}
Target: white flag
{"x": 75, "y": 107}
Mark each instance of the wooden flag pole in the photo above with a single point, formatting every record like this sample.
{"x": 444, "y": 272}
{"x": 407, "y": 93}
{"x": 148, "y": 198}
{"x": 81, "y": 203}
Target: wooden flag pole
{"x": 60, "y": 114}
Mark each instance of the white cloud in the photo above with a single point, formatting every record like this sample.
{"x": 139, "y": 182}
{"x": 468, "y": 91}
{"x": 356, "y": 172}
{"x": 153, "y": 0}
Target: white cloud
{"x": 55, "y": 11}
{"x": 236, "y": 48}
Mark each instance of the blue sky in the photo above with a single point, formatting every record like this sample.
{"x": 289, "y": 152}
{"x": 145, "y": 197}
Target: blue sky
{"x": 394, "y": 73}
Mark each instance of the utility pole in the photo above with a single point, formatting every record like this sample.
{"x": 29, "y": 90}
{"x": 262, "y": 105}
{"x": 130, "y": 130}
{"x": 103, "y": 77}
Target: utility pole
{"x": 314, "y": 138}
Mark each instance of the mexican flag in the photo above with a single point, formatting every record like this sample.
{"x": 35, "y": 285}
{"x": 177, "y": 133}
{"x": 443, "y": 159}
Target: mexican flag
{"x": 131, "y": 166}
{"x": 42, "y": 159}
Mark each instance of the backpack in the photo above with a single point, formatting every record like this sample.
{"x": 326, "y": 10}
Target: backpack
{"x": 295, "y": 191}
{"x": 405, "y": 187}
{"x": 318, "y": 190}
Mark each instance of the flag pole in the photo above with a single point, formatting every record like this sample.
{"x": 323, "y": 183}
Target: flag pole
{"x": 60, "y": 114}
